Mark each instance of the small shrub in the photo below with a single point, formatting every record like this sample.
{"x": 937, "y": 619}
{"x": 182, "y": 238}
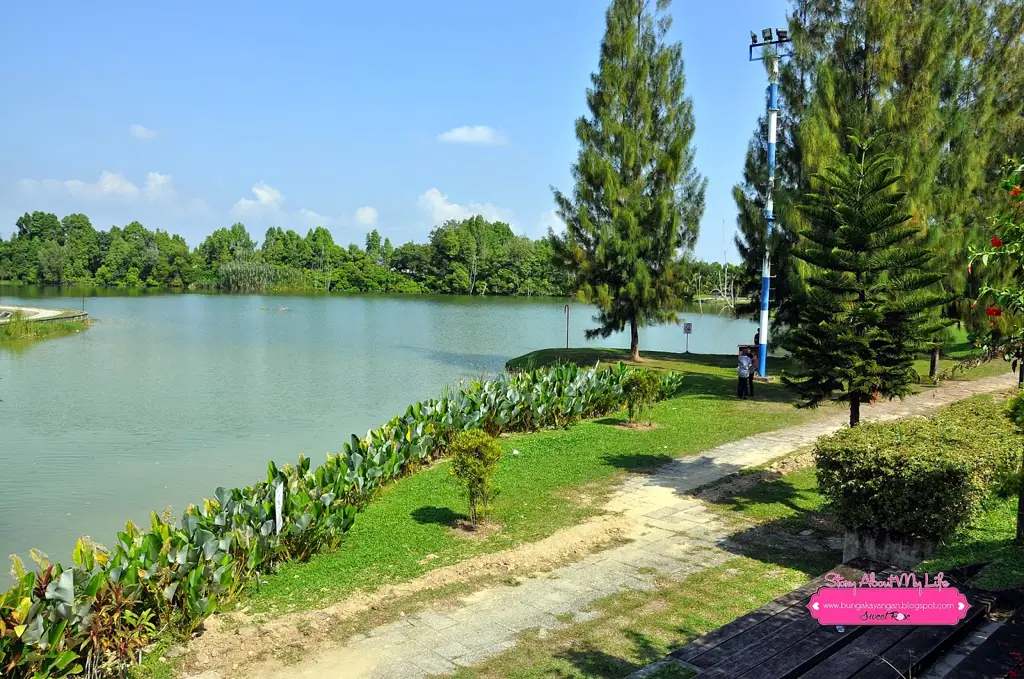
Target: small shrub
{"x": 640, "y": 388}
{"x": 919, "y": 478}
{"x": 475, "y": 456}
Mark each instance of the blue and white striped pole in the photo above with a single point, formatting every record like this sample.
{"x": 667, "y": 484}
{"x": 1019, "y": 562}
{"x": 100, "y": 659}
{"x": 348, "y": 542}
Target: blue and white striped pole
{"x": 769, "y": 213}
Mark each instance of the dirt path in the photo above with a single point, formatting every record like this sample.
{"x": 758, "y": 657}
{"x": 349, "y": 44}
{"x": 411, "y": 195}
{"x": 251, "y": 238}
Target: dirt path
{"x": 669, "y": 532}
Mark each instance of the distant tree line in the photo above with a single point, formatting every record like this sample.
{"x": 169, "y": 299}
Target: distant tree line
{"x": 471, "y": 256}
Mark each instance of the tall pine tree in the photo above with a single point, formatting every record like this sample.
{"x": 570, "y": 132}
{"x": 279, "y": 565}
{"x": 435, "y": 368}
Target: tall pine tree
{"x": 863, "y": 319}
{"x": 638, "y": 198}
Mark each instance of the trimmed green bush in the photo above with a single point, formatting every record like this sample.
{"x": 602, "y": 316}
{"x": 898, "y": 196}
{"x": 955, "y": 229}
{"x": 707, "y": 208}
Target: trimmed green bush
{"x": 920, "y": 478}
{"x": 474, "y": 455}
{"x": 640, "y": 389}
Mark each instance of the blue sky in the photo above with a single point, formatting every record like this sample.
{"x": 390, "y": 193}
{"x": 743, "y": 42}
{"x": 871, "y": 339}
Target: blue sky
{"x": 189, "y": 116}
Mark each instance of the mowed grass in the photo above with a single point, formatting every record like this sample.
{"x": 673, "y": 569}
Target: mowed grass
{"x": 990, "y": 540}
{"x": 637, "y": 628}
{"x": 790, "y": 503}
{"x": 406, "y": 530}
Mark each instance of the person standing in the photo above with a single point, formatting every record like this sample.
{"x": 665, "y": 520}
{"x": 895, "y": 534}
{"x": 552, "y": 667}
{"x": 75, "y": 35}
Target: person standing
{"x": 752, "y": 372}
{"x": 746, "y": 364}
{"x": 757, "y": 338}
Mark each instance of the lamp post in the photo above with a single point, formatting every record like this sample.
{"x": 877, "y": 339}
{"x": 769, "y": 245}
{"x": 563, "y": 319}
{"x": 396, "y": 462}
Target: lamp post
{"x": 781, "y": 38}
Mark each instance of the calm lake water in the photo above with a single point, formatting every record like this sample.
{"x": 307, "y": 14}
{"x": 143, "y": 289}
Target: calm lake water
{"x": 168, "y": 396}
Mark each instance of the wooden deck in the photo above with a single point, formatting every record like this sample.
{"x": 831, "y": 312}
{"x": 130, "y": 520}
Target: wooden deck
{"x": 782, "y": 641}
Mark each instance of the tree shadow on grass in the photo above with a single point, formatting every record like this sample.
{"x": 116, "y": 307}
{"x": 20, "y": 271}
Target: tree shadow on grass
{"x": 442, "y": 516}
{"x": 590, "y": 661}
{"x": 639, "y": 463}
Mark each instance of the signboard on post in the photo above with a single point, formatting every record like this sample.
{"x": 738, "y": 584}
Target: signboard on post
{"x": 687, "y": 330}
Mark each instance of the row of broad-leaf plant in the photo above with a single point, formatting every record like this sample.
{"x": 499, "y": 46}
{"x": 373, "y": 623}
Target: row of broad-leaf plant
{"x": 95, "y": 616}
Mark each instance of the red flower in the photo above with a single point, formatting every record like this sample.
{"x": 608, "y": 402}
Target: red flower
{"x": 996, "y": 243}
{"x": 994, "y": 311}
{"x": 968, "y": 269}
{"x": 1016, "y": 190}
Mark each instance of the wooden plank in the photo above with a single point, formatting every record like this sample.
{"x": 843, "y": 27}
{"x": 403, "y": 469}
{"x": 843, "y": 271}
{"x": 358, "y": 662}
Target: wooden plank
{"x": 805, "y": 654}
{"x": 857, "y": 655}
{"x": 992, "y": 658}
{"x": 730, "y": 665}
{"x": 921, "y": 646}
{"x": 789, "y": 605}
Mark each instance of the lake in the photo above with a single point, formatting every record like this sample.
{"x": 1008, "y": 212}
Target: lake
{"x": 168, "y": 396}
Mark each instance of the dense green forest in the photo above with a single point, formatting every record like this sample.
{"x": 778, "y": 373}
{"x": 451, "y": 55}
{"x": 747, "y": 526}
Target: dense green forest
{"x": 471, "y": 256}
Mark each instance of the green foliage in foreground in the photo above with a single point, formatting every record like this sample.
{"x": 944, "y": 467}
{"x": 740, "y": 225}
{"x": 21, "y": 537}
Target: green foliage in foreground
{"x": 919, "y": 478}
{"x": 19, "y": 328}
{"x": 176, "y": 573}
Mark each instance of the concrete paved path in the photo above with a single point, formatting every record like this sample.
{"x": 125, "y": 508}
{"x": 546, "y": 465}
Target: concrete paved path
{"x": 672, "y": 536}
{"x": 31, "y": 313}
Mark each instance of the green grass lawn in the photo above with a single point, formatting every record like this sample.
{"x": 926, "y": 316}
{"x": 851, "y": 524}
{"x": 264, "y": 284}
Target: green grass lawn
{"x": 791, "y": 503}
{"x": 637, "y": 628}
{"x": 990, "y": 540}
{"x": 661, "y": 361}
{"x": 406, "y": 530}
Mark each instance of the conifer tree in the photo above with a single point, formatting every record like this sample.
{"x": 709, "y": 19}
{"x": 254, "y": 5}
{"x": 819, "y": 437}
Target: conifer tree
{"x": 943, "y": 78}
{"x": 638, "y": 198}
{"x": 863, "y": 319}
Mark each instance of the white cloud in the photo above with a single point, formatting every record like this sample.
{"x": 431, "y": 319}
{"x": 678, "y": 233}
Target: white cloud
{"x": 551, "y": 219}
{"x": 266, "y": 197}
{"x": 473, "y": 134}
{"x": 366, "y": 215}
{"x": 110, "y": 184}
{"x": 440, "y": 209}
{"x": 315, "y": 218}
{"x": 158, "y": 186}
{"x": 143, "y": 132}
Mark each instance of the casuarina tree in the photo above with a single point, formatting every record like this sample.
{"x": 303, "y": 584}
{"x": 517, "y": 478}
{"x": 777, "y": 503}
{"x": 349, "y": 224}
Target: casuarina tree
{"x": 869, "y": 288}
{"x": 638, "y": 198}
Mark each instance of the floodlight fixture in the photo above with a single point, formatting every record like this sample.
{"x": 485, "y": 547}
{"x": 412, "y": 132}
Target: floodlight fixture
{"x": 753, "y": 38}
{"x": 782, "y": 34}
{"x": 766, "y": 33}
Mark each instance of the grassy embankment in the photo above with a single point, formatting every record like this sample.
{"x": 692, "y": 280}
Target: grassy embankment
{"x": 20, "y": 329}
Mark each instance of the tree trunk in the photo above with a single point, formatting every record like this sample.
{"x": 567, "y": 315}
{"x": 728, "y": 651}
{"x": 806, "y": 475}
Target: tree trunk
{"x": 1020, "y": 374}
{"x": 933, "y": 369}
{"x": 854, "y": 411}
{"x": 634, "y": 341}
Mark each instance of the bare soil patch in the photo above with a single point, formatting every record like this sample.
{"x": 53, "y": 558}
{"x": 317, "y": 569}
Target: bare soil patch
{"x": 236, "y": 643}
